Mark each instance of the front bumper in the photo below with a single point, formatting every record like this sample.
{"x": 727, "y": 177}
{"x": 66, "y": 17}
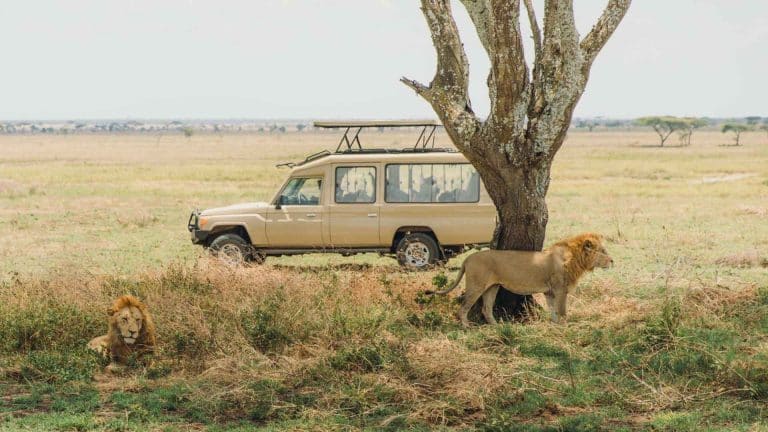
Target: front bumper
{"x": 193, "y": 225}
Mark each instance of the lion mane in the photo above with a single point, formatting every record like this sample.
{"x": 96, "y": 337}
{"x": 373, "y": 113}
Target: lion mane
{"x": 114, "y": 345}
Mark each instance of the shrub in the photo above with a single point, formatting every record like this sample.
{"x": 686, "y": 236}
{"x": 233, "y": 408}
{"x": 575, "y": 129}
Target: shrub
{"x": 366, "y": 358}
{"x": 47, "y": 326}
{"x": 54, "y": 366}
{"x": 263, "y": 328}
{"x": 178, "y": 278}
{"x": 662, "y": 328}
{"x": 430, "y": 320}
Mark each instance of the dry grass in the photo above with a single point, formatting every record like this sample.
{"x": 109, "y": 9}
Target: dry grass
{"x": 673, "y": 338}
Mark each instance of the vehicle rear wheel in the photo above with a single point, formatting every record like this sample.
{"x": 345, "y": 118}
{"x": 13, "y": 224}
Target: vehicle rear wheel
{"x": 234, "y": 250}
{"x": 418, "y": 251}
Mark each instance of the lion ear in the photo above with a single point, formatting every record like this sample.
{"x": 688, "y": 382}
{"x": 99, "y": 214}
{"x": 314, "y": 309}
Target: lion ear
{"x": 588, "y": 244}
{"x": 111, "y": 311}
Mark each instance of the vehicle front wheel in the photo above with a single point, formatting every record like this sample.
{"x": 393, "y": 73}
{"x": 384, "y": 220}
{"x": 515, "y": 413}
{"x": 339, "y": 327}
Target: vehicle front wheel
{"x": 234, "y": 250}
{"x": 418, "y": 251}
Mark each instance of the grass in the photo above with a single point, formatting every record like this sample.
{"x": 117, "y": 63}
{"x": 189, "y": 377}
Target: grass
{"x": 674, "y": 338}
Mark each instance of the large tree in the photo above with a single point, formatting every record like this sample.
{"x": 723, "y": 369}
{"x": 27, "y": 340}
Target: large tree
{"x": 531, "y": 109}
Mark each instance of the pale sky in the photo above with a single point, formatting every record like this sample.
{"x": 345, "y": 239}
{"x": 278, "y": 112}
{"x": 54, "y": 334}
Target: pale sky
{"x": 78, "y": 59}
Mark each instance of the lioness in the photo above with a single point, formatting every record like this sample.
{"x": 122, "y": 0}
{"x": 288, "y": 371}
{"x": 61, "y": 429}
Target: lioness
{"x": 130, "y": 331}
{"x": 553, "y": 272}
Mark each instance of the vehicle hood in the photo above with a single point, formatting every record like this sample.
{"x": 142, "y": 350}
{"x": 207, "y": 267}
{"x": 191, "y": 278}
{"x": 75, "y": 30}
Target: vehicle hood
{"x": 244, "y": 208}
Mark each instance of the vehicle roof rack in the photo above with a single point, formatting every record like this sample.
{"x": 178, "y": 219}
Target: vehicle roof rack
{"x": 426, "y": 139}
{"x": 425, "y": 143}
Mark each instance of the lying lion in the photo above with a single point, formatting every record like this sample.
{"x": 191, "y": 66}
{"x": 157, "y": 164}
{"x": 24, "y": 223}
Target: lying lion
{"x": 553, "y": 272}
{"x": 131, "y": 332}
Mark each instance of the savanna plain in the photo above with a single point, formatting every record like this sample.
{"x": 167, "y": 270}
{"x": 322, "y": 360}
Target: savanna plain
{"x": 673, "y": 338}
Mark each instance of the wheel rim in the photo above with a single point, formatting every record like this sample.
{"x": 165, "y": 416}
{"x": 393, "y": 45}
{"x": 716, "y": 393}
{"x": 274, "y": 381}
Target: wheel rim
{"x": 417, "y": 254}
{"x": 231, "y": 254}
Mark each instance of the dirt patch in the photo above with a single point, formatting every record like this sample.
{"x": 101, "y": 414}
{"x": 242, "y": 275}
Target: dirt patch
{"x": 744, "y": 259}
{"x": 724, "y": 178}
{"x": 754, "y": 210}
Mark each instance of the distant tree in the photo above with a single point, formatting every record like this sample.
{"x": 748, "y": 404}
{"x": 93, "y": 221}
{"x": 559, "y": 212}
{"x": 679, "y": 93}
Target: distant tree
{"x": 586, "y": 124}
{"x": 737, "y": 129}
{"x": 753, "y": 120}
{"x": 188, "y": 131}
{"x": 281, "y": 129}
{"x": 692, "y": 123}
{"x": 664, "y": 126}
{"x": 300, "y": 127}
{"x": 764, "y": 127}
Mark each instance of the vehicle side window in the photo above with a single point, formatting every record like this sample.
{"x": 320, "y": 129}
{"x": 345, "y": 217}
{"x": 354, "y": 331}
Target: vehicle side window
{"x": 355, "y": 185}
{"x": 302, "y": 191}
{"x": 431, "y": 183}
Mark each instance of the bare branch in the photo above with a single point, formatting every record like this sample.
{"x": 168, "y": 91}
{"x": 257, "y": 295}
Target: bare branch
{"x": 498, "y": 27}
{"x": 452, "y": 74}
{"x": 418, "y": 87}
{"x": 612, "y": 15}
{"x": 559, "y": 82}
{"x": 536, "y": 31}
{"x": 448, "y": 93}
{"x": 534, "y": 28}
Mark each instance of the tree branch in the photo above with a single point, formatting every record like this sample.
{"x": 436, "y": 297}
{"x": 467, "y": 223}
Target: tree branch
{"x": 607, "y": 23}
{"x": 452, "y": 74}
{"x": 558, "y": 85}
{"x": 448, "y": 93}
{"x": 534, "y": 29}
{"x": 416, "y": 86}
{"x": 498, "y": 26}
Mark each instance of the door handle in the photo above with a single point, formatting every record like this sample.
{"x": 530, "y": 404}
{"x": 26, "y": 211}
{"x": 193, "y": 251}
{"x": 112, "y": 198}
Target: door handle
{"x": 372, "y": 215}
{"x": 311, "y": 215}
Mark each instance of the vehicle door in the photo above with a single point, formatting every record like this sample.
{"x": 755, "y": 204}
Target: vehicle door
{"x": 296, "y": 220}
{"x": 354, "y": 210}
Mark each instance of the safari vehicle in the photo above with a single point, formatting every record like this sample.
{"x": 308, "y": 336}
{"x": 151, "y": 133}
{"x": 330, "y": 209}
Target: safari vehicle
{"x": 421, "y": 205}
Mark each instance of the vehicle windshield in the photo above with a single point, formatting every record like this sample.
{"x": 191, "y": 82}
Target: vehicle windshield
{"x": 301, "y": 191}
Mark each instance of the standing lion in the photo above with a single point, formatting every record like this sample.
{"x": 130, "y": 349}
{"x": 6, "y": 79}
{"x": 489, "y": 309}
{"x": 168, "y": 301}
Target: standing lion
{"x": 553, "y": 271}
{"x": 131, "y": 332}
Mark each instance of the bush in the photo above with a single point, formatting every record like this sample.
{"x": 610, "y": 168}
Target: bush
{"x": 366, "y": 358}
{"x": 662, "y": 328}
{"x": 189, "y": 344}
{"x": 263, "y": 329}
{"x": 53, "y": 366}
{"x": 178, "y": 278}
{"x": 47, "y": 326}
{"x": 430, "y": 320}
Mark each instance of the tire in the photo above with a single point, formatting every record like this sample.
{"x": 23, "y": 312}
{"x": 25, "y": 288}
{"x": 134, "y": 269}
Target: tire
{"x": 234, "y": 250}
{"x": 418, "y": 251}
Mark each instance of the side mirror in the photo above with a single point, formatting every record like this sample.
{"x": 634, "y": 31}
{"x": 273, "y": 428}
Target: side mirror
{"x": 279, "y": 204}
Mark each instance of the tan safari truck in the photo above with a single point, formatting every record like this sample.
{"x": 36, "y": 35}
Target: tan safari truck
{"x": 421, "y": 205}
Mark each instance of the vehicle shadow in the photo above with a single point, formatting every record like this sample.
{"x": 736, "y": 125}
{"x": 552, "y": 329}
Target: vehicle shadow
{"x": 358, "y": 267}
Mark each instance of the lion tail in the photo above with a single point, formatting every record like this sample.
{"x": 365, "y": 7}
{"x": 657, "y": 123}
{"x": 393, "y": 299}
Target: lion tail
{"x": 453, "y": 285}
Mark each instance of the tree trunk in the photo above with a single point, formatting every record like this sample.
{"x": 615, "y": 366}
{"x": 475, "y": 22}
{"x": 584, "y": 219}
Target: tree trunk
{"x": 522, "y": 223}
{"x": 531, "y": 110}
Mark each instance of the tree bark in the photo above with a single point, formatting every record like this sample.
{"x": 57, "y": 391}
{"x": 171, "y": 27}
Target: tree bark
{"x": 531, "y": 111}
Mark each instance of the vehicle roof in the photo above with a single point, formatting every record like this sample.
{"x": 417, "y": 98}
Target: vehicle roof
{"x": 371, "y": 158}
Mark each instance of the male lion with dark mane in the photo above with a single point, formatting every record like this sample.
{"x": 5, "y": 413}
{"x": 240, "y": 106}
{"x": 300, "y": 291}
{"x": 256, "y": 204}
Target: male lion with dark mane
{"x": 553, "y": 271}
{"x": 131, "y": 331}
